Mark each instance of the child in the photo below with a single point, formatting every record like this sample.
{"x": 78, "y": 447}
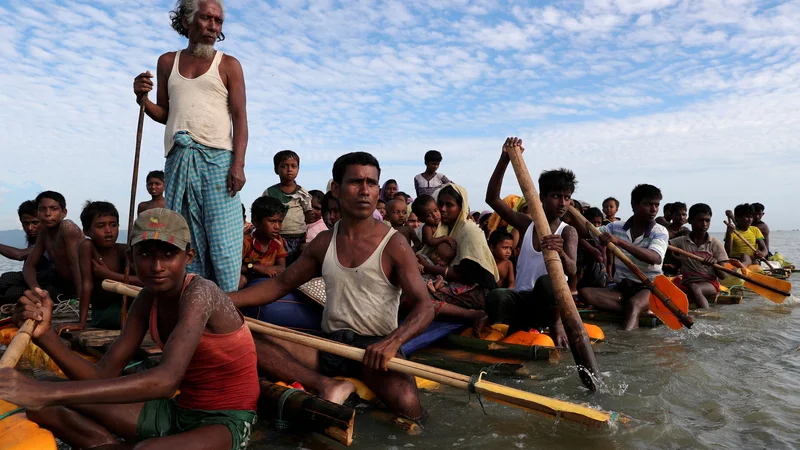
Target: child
{"x": 100, "y": 258}
{"x": 195, "y": 324}
{"x": 381, "y": 208}
{"x": 413, "y": 221}
{"x": 12, "y": 284}
{"x": 429, "y": 181}
{"x": 610, "y": 208}
{"x": 441, "y": 256}
{"x": 317, "y": 225}
{"x": 155, "y": 187}
{"x": 263, "y": 253}
{"x": 591, "y": 257}
{"x": 396, "y": 213}
{"x": 677, "y": 220}
{"x": 59, "y": 239}
{"x": 664, "y": 220}
{"x": 405, "y": 197}
{"x": 295, "y": 198}
{"x": 247, "y": 225}
{"x": 743, "y": 216}
{"x": 645, "y": 243}
{"x": 700, "y": 281}
{"x": 428, "y": 212}
{"x": 502, "y": 245}
{"x": 330, "y": 210}
{"x": 388, "y": 191}
{"x": 758, "y": 214}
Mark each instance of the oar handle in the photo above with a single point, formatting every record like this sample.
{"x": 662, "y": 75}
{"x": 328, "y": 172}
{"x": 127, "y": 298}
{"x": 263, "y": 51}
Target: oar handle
{"x": 18, "y": 344}
{"x": 684, "y": 318}
{"x": 734, "y": 273}
{"x": 732, "y": 224}
{"x": 579, "y": 344}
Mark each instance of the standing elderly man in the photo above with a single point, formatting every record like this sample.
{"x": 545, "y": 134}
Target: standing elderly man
{"x": 201, "y": 100}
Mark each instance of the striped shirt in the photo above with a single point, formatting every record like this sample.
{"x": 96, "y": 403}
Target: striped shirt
{"x": 654, "y": 238}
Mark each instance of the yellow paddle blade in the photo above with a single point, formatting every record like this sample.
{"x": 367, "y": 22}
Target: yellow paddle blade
{"x": 755, "y": 268}
{"x": 781, "y": 285}
{"x": 673, "y": 293}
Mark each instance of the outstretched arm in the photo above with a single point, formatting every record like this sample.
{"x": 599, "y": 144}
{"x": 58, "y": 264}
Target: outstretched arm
{"x": 17, "y": 254}
{"x": 514, "y": 218}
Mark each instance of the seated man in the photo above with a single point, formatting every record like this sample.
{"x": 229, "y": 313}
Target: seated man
{"x": 197, "y": 327}
{"x": 12, "y": 284}
{"x": 700, "y": 281}
{"x": 758, "y": 215}
{"x": 738, "y": 249}
{"x": 366, "y": 266}
{"x": 645, "y": 243}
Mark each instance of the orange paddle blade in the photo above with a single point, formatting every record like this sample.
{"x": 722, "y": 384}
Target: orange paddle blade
{"x": 781, "y": 285}
{"x": 673, "y": 293}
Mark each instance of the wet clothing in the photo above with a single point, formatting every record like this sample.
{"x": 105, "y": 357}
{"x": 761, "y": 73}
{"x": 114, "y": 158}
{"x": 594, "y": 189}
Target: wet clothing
{"x": 196, "y": 187}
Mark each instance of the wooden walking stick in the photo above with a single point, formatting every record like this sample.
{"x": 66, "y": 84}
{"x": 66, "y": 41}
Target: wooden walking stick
{"x": 579, "y": 342}
{"x": 132, "y": 209}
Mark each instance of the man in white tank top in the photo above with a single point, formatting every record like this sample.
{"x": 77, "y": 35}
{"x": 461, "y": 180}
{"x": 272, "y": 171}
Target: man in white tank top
{"x": 201, "y": 100}
{"x": 531, "y": 303}
{"x": 365, "y": 265}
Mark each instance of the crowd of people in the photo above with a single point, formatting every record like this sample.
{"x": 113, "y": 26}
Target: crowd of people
{"x": 383, "y": 255}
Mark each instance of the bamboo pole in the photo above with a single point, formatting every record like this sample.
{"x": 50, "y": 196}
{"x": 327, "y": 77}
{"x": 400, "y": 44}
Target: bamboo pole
{"x": 17, "y": 345}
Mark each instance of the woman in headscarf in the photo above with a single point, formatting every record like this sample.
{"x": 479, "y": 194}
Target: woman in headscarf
{"x": 495, "y": 221}
{"x": 388, "y": 190}
{"x": 472, "y": 274}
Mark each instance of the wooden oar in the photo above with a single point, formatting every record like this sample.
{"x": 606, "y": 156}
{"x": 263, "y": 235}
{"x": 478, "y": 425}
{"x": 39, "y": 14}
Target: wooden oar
{"x": 579, "y": 342}
{"x": 132, "y": 209}
{"x": 672, "y": 309}
{"x": 493, "y": 391}
{"x": 17, "y": 345}
{"x": 768, "y": 287}
{"x": 732, "y": 224}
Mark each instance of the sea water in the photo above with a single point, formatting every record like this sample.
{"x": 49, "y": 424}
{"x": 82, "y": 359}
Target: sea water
{"x": 731, "y": 382}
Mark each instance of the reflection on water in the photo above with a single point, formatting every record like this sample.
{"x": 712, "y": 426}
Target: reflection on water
{"x": 730, "y": 382}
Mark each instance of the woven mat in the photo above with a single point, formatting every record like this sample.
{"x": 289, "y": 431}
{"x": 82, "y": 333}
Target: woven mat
{"x": 315, "y": 290}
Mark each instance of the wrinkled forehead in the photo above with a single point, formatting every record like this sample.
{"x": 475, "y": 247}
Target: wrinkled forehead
{"x": 359, "y": 172}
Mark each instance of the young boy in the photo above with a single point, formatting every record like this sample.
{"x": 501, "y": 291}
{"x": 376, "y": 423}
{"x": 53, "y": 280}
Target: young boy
{"x": 413, "y": 221}
{"x": 743, "y": 216}
{"x": 60, "y": 239}
{"x": 700, "y": 281}
{"x": 428, "y": 213}
{"x": 677, "y": 220}
{"x": 610, "y": 208}
{"x": 317, "y": 225}
{"x": 645, "y": 243}
{"x": 429, "y": 181}
{"x": 100, "y": 258}
{"x": 295, "y": 198}
{"x": 12, "y": 284}
{"x": 665, "y": 219}
{"x": 263, "y": 252}
{"x": 758, "y": 214}
{"x": 330, "y": 210}
{"x": 155, "y": 187}
{"x": 195, "y": 324}
{"x": 502, "y": 244}
{"x": 396, "y": 214}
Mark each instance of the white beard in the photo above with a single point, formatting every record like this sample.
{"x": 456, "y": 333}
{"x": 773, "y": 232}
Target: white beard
{"x": 203, "y": 51}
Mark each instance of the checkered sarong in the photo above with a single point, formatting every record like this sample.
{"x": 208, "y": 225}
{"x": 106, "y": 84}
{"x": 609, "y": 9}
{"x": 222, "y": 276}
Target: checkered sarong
{"x": 195, "y": 186}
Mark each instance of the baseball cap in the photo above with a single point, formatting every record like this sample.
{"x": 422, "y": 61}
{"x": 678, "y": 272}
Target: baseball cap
{"x": 161, "y": 224}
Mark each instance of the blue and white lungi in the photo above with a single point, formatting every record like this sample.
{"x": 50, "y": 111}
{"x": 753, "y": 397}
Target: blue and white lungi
{"x": 195, "y": 186}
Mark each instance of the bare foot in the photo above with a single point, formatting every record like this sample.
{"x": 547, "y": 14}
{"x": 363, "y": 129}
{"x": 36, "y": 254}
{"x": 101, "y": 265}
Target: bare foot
{"x": 479, "y": 321}
{"x": 431, "y": 288}
{"x": 337, "y": 391}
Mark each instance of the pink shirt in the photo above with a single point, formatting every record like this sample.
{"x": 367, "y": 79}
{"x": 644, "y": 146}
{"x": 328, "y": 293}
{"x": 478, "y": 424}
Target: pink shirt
{"x": 314, "y": 229}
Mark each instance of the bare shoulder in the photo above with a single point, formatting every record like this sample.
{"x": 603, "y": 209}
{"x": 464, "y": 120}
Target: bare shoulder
{"x": 319, "y": 246}
{"x": 398, "y": 247}
{"x": 70, "y": 230}
{"x": 201, "y": 288}
{"x": 230, "y": 61}
{"x": 167, "y": 59}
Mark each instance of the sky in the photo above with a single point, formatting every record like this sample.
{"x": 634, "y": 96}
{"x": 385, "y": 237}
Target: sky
{"x": 700, "y": 98}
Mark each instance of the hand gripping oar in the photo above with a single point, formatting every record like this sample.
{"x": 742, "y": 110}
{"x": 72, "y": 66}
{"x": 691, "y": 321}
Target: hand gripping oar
{"x": 579, "y": 342}
{"x": 667, "y": 302}
{"x": 17, "y": 345}
{"x": 732, "y": 224}
{"x": 132, "y": 210}
{"x": 493, "y": 391}
{"x": 768, "y": 287}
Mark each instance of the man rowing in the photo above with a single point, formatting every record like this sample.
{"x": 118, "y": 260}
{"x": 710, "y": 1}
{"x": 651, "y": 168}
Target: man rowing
{"x": 201, "y": 100}
{"x": 366, "y": 265}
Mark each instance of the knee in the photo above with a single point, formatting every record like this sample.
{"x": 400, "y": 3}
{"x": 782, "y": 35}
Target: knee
{"x": 407, "y": 400}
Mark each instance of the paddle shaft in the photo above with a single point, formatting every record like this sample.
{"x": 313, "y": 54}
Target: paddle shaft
{"x": 726, "y": 270}
{"x": 732, "y": 226}
{"x": 132, "y": 210}
{"x": 17, "y": 345}
{"x": 579, "y": 342}
{"x": 682, "y": 317}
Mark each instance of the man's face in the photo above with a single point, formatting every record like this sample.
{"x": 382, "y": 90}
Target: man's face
{"x": 701, "y": 223}
{"x": 758, "y": 215}
{"x": 161, "y": 266}
{"x": 155, "y": 187}
{"x": 744, "y": 222}
{"x": 359, "y": 191}
{"x": 104, "y": 231}
{"x": 207, "y": 24}
{"x": 647, "y": 209}
{"x": 50, "y": 212}
{"x": 31, "y": 225}
{"x": 555, "y": 203}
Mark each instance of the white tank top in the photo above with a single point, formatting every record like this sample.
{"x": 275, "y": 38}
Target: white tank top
{"x": 530, "y": 264}
{"x": 199, "y": 106}
{"x": 361, "y": 298}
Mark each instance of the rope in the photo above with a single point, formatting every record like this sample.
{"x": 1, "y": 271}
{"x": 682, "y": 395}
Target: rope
{"x": 64, "y": 305}
{"x": 281, "y": 424}
{"x": 473, "y": 380}
{"x": 12, "y": 412}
